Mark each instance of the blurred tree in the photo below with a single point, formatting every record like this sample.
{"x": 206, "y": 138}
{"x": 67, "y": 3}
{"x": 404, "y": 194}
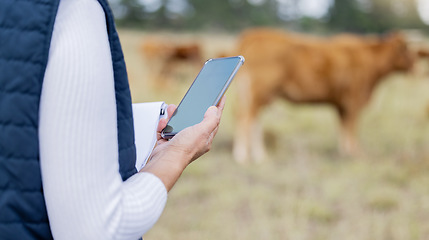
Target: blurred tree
{"x": 127, "y": 11}
{"x": 232, "y": 14}
{"x": 195, "y": 14}
{"x": 343, "y": 15}
{"x": 373, "y": 15}
{"x": 397, "y": 13}
{"x": 348, "y": 15}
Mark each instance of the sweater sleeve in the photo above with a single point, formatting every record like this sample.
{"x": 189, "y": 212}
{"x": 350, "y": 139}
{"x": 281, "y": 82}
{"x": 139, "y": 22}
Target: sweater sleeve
{"x": 84, "y": 193}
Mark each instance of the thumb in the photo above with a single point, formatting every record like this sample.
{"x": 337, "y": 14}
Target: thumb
{"x": 211, "y": 118}
{"x": 211, "y": 111}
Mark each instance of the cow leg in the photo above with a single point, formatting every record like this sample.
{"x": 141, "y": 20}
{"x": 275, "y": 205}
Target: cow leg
{"x": 247, "y": 114}
{"x": 348, "y": 143}
{"x": 257, "y": 146}
{"x": 249, "y": 139}
{"x": 243, "y": 133}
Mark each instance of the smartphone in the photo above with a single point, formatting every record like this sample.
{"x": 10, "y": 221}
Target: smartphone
{"x": 207, "y": 89}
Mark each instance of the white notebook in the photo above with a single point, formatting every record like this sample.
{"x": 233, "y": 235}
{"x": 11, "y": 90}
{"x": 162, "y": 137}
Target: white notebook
{"x": 146, "y": 119}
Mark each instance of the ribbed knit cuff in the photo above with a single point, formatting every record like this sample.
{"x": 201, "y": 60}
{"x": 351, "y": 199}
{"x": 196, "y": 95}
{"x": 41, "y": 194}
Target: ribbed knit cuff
{"x": 144, "y": 199}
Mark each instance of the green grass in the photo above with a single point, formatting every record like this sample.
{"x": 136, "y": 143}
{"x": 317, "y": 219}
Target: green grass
{"x": 306, "y": 190}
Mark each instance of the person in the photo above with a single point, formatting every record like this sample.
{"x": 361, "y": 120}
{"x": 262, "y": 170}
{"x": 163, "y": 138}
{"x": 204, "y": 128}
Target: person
{"x": 66, "y": 150}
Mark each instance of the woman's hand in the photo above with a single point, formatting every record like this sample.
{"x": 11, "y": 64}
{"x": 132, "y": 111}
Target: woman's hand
{"x": 170, "y": 158}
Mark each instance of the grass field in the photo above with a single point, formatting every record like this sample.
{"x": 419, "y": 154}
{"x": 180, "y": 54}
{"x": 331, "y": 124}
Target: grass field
{"x": 305, "y": 190}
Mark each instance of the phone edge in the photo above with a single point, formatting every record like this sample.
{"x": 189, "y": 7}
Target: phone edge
{"x": 228, "y": 83}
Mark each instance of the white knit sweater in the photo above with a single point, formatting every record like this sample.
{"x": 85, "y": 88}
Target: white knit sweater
{"x": 85, "y": 196}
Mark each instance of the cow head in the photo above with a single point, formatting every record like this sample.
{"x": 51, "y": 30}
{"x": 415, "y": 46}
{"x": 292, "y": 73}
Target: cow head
{"x": 188, "y": 52}
{"x": 423, "y": 53}
{"x": 400, "y": 56}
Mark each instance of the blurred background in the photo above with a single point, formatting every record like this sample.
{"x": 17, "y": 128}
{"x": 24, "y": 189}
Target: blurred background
{"x": 305, "y": 188}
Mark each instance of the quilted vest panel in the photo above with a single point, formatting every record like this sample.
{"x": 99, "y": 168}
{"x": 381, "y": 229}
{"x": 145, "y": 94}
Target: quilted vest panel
{"x": 25, "y": 33}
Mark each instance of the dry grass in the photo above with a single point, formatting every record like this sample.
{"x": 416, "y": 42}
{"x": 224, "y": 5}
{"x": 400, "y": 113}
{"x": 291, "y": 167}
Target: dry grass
{"x": 306, "y": 190}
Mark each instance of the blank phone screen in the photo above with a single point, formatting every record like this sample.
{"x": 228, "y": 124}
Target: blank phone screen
{"x": 203, "y": 93}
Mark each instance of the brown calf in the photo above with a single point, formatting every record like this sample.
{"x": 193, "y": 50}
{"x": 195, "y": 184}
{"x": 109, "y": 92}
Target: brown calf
{"x": 163, "y": 58}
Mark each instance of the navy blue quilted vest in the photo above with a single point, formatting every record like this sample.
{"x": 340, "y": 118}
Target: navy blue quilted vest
{"x": 25, "y": 34}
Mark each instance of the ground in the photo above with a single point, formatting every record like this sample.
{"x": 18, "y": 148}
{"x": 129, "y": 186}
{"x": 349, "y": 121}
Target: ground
{"x": 306, "y": 189}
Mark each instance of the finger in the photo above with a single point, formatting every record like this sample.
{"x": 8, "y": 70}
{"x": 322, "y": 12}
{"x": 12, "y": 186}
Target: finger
{"x": 163, "y": 122}
{"x": 161, "y": 125}
{"x": 211, "y": 111}
{"x": 221, "y": 103}
{"x": 211, "y": 137}
{"x": 221, "y": 106}
{"x": 211, "y": 119}
{"x": 213, "y": 134}
{"x": 215, "y": 130}
{"x": 170, "y": 110}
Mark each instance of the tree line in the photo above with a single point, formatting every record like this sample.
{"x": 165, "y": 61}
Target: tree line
{"x": 360, "y": 16}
